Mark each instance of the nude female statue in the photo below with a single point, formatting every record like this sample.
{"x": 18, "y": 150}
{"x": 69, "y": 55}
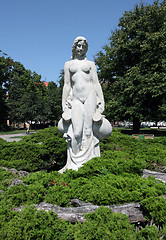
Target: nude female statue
{"x": 82, "y": 104}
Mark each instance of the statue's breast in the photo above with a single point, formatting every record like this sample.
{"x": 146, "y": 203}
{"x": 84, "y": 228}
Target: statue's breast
{"x": 86, "y": 69}
{"x": 73, "y": 69}
{"x": 80, "y": 67}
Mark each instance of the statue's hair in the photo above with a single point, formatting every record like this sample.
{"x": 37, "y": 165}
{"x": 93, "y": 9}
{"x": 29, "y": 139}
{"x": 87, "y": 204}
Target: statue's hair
{"x": 80, "y": 38}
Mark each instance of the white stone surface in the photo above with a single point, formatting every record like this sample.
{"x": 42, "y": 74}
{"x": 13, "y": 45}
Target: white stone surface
{"x": 82, "y": 122}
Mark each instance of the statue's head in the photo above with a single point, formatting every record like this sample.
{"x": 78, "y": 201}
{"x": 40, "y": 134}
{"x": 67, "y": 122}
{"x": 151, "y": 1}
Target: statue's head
{"x": 76, "y": 42}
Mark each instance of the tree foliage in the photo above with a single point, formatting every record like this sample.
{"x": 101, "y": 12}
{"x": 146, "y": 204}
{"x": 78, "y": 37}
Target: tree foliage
{"x": 6, "y": 64}
{"x": 54, "y": 95}
{"x": 24, "y": 96}
{"x": 133, "y": 65}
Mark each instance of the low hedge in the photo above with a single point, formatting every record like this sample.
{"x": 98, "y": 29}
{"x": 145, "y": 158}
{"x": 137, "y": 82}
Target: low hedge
{"x": 152, "y": 151}
{"x": 114, "y": 178}
{"x": 44, "y": 150}
{"x": 155, "y": 209}
{"x": 100, "y": 190}
{"x": 101, "y": 224}
{"x": 47, "y": 149}
{"x": 33, "y": 224}
{"x": 28, "y": 157}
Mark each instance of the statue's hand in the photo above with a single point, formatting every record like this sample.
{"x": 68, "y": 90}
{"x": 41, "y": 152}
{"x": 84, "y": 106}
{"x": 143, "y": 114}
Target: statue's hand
{"x": 101, "y": 107}
{"x": 67, "y": 106}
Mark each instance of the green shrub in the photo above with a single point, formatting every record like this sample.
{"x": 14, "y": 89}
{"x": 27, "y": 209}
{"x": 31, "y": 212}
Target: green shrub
{"x": 116, "y": 162}
{"x": 162, "y": 233}
{"x": 104, "y": 189}
{"x": 101, "y": 224}
{"x": 42, "y": 177}
{"x": 2, "y": 141}
{"x": 42, "y": 135}
{"x": 149, "y": 151}
{"x": 155, "y": 209}
{"x": 160, "y": 140}
{"x": 104, "y": 224}
{"x": 53, "y": 142}
{"x": 57, "y": 149}
{"x": 148, "y": 233}
{"x": 47, "y": 149}
{"x": 114, "y": 178}
{"x": 6, "y": 178}
{"x": 14, "y": 196}
{"x": 111, "y": 189}
{"x": 3, "y": 144}
{"x": 29, "y": 156}
{"x": 32, "y": 224}
{"x": 59, "y": 195}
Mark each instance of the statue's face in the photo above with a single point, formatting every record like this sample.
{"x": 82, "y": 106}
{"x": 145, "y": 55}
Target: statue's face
{"x": 81, "y": 48}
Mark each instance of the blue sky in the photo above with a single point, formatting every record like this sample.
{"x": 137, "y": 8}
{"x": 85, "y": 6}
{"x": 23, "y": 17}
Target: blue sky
{"x": 40, "y": 33}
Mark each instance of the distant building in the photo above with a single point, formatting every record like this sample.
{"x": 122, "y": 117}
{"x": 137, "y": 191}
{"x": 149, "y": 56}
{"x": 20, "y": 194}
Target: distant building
{"x": 45, "y": 83}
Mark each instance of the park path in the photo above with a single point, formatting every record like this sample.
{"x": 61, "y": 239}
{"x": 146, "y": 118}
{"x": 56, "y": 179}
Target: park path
{"x": 13, "y": 137}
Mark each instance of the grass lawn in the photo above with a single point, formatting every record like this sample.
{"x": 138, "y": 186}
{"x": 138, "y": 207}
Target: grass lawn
{"x": 17, "y": 137}
{"x": 14, "y": 132}
{"x": 155, "y": 132}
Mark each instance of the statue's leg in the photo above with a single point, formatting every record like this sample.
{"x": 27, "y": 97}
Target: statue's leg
{"x": 77, "y": 114}
{"x": 89, "y": 110}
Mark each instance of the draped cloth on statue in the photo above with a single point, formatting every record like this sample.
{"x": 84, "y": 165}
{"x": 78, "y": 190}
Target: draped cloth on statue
{"x": 89, "y": 147}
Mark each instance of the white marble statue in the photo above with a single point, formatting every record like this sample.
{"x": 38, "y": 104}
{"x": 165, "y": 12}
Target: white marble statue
{"x": 82, "y": 122}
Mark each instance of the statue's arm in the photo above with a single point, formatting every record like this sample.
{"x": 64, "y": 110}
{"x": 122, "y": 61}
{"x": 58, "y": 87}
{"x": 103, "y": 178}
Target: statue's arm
{"x": 97, "y": 86}
{"x": 67, "y": 85}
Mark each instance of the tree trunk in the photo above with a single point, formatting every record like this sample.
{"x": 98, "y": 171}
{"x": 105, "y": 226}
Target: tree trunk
{"x": 136, "y": 125}
{"x": 35, "y": 125}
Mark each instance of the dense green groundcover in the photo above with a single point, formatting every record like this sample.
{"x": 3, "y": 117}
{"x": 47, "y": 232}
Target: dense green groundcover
{"x": 114, "y": 178}
{"x": 45, "y": 149}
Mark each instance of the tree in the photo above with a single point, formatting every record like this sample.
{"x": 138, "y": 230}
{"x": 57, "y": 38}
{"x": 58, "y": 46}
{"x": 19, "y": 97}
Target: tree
{"x": 6, "y": 64}
{"x": 18, "y": 80}
{"x": 133, "y": 65}
{"x": 33, "y": 99}
{"x": 27, "y": 94}
{"x": 23, "y": 96}
{"x": 54, "y": 98}
{"x": 53, "y": 102}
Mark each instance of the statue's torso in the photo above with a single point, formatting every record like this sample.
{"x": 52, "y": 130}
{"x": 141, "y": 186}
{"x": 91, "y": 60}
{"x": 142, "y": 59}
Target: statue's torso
{"x": 80, "y": 75}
